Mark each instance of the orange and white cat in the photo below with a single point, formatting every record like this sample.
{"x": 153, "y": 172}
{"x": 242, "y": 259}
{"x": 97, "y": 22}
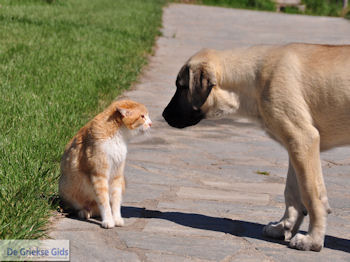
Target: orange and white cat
{"x": 92, "y": 166}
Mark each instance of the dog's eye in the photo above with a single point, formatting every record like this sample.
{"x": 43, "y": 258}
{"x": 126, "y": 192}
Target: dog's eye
{"x": 211, "y": 84}
{"x": 181, "y": 84}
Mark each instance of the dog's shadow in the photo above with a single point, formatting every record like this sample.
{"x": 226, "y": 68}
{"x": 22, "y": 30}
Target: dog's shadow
{"x": 235, "y": 227}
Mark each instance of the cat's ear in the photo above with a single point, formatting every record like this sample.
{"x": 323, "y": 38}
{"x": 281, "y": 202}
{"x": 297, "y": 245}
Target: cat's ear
{"x": 124, "y": 112}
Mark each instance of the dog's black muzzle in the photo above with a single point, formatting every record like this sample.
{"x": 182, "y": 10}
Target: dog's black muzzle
{"x": 179, "y": 112}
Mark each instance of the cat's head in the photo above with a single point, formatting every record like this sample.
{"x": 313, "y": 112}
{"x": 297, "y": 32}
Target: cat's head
{"x": 134, "y": 116}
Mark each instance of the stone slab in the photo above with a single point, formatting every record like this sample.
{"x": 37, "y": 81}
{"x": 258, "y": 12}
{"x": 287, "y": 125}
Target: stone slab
{"x": 202, "y": 248}
{"x": 221, "y": 195}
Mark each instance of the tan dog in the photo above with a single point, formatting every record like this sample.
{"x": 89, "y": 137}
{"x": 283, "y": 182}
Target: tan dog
{"x": 300, "y": 93}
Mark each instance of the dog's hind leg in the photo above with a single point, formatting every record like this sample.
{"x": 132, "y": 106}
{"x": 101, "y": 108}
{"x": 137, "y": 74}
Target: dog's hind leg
{"x": 294, "y": 214}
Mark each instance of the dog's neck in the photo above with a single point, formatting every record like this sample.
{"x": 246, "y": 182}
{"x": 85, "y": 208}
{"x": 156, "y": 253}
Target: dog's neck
{"x": 242, "y": 80}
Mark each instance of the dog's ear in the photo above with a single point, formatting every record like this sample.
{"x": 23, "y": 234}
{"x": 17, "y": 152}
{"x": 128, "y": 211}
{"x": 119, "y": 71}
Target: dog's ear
{"x": 183, "y": 77}
{"x": 201, "y": 82}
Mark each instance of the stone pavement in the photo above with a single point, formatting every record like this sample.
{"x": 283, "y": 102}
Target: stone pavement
{"x": 204, "y": 193}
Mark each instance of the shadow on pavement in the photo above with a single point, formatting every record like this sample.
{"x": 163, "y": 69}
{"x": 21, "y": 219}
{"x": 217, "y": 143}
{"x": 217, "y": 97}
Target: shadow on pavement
{"x": 235, "y": 227}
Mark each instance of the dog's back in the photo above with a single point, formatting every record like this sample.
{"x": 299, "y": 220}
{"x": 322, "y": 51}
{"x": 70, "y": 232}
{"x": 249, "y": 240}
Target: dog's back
{"x": 317, "y": 77}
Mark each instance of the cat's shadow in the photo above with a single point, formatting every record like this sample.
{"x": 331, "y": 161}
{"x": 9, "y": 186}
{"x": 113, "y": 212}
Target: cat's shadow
{"x": 235, "y": 227}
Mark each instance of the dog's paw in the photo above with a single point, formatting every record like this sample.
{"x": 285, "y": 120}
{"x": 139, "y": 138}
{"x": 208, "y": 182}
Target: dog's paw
{"x": 108, "y": 223}
{"x": 119, "y": 221}
{"x": 306, "y": 243}
{"x": 277, "y": 230}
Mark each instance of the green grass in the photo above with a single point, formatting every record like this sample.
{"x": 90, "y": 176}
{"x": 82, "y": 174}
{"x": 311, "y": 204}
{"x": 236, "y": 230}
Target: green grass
{"x": 266, "y": 5}
{"x": 324, "y": 7}
{"x": 321, "y": 8}
{"x": 347, "y": 15}
{"x": 61, "y": 61}
{"x": 313, "y": 7}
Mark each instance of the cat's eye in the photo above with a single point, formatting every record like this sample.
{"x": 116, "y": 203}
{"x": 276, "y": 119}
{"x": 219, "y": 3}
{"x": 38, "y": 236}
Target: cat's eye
{"x": 143, "y": 116}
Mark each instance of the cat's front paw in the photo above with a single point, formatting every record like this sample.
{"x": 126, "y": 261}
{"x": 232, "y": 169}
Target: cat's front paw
{"x": 119, "y": 221}
{"x": 107, "y": 223}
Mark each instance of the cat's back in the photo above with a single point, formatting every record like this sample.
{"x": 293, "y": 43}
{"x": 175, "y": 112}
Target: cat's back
{"x": 99, "y": 134}
{"x": 73, "y": 151}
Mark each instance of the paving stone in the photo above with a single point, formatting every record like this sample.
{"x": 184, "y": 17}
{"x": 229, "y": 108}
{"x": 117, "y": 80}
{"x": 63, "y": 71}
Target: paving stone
{"x": 203, "y": 248}
{"x": 223, "y": 209}
{"x": 190, "y": 225}
{"x": 220, "y": 195}
{"x": 158, "y": 257}
{"x": 75, "y": 224}
{"x": 249, "y": 258}
{"x": 146, "y": 174}
{"x": 290, "y": 255}
{"x": 140, "y": 192}
{"x": 87, "y": 247}
{"x": 271, "y": 188}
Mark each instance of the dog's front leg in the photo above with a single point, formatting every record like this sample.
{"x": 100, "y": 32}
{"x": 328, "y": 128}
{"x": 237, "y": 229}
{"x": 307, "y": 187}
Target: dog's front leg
{"x": 304, "y": 152}
{"x": 294, "y": 214}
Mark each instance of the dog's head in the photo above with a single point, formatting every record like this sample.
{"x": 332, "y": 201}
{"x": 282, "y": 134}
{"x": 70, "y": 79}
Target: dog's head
{"x": 198, "y": 94}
